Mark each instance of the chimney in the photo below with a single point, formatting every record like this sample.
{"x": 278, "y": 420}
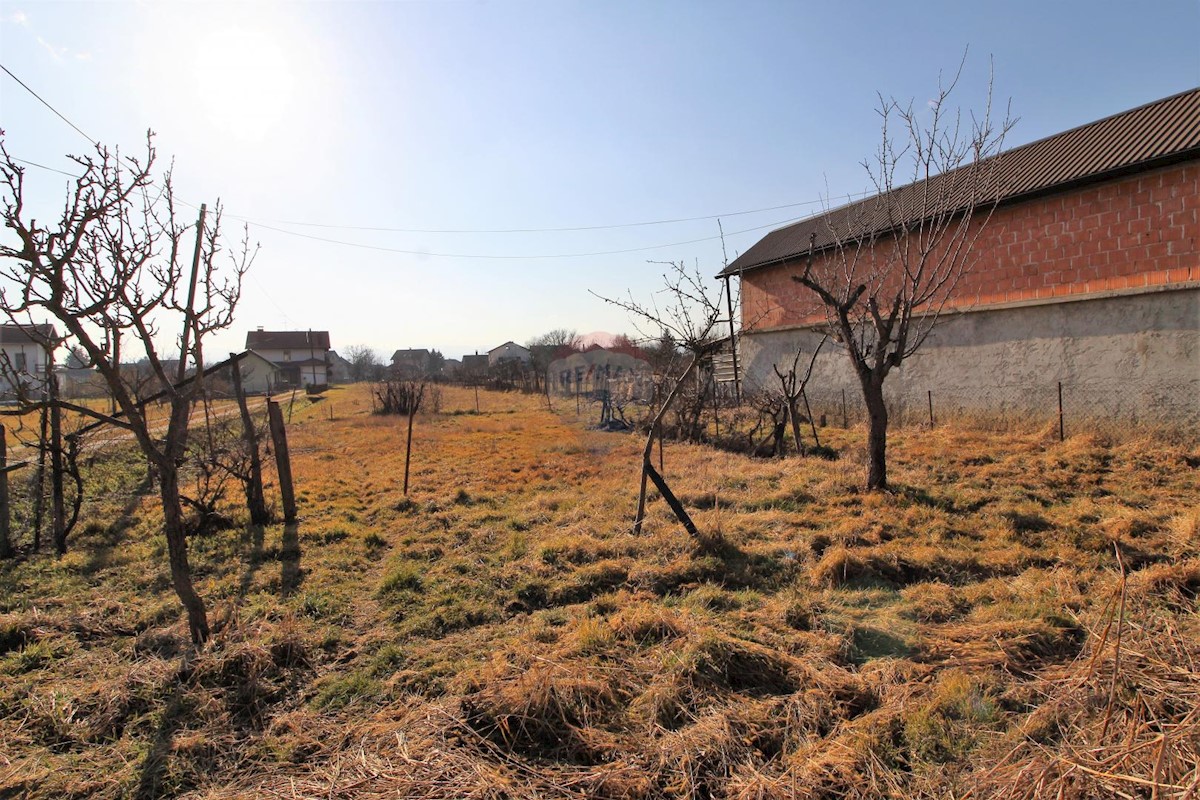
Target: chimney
{"x": 260, "y": 327}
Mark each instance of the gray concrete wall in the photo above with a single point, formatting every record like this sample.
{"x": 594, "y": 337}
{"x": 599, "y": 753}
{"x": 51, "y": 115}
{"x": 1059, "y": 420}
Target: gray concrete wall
{"x": 1132, "y": 358}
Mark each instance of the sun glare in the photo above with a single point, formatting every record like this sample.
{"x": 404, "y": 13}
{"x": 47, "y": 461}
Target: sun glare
{"x": 244, "y": 82}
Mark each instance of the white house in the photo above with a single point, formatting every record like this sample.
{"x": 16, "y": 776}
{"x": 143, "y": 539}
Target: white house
{"x": 509, "y": 351}
{"x": 259, "y": 374}
{"x": 301, "y": 356}
{"x": 26, "y": 356}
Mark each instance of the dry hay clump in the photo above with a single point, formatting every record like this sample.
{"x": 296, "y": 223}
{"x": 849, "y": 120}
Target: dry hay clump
{"x": 559, "y": 725}
{"x": 901, "y": 565}
{"x": 1124, "y": 719}
{"x": 544, "y": 710}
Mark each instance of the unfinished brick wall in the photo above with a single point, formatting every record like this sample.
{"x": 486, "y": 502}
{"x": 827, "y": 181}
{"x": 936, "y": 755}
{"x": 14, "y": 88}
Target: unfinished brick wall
{"x": 1131, "y": 232}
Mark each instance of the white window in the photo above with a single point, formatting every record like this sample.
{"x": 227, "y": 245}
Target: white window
{"x": 287, "y": 355}
{"x": 20, "y": 362}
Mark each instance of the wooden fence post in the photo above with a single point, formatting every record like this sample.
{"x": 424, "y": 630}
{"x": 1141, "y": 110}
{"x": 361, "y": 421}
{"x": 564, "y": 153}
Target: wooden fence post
{"x": 845, "y": 418}
{"x": 6, "y": 548}
{"x": 415, "y": 405}
{"x": 282, "y": 460}
{"x": 408, "y": 450}
{"x": 256, "y": 502}
{"x": 1061, "y": 429}
{"x": 39, "y": 494}
{"x": 58, "y": 508}
{"x": 929, "y": 394}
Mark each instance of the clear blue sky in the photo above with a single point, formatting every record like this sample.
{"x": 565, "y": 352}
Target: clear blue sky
{"x": 473, "y": 116}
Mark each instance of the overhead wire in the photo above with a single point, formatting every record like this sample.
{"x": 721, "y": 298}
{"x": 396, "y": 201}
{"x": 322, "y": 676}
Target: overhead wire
{"x": 381, "y": 248}
{"x": 457, "y": 231}
{"x": 47, "y": 105}
{"x": 573, "y": 229}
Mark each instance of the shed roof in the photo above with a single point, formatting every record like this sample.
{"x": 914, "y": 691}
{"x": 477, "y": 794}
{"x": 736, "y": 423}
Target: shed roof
{"x": 1153, "y": 135}
{"x": 287, "y": 340}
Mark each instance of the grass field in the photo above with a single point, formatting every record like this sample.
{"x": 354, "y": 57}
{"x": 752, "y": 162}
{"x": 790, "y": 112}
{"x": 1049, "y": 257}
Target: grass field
{"x": 1018, "y": 618}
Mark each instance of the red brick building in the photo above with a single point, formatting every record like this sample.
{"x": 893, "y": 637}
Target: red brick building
{"x": 1088, "y": 272}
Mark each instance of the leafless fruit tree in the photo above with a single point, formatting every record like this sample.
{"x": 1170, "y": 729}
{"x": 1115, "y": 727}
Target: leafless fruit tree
{"x": 791, "y": 392}
{"x": 112, "y": 271}
{"x": 885, "y": 269}
{"x": 688, "y": 317}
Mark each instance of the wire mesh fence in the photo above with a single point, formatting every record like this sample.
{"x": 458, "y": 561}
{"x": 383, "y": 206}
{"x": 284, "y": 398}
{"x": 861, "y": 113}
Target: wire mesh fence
{"x": 1070, "y": 408}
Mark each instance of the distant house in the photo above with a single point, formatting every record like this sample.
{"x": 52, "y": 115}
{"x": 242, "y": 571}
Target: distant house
{"x": 409, "y": 364}
{"x": 340, "y": 370}
{"x": 301, "y": 356}
{"x": 509, "y": 351}
{"x": 259, "y": 374}
{"x": 26, "y": 356}
{"x": 474, "y": 367}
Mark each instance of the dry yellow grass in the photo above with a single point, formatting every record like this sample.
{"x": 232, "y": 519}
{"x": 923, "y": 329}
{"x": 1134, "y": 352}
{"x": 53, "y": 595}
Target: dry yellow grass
{"x": 502, "y": 633}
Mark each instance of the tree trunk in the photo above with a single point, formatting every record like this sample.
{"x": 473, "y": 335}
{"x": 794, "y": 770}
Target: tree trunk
{"x": 877, "y": 424}
{"x": 176, "y": 533}
{"x": 795, "y": 420}
{"x": 255, "y": 500}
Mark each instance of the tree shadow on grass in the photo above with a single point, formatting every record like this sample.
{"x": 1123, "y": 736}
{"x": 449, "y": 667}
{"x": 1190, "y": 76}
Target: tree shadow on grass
{"x": 154, "y": 766}
{"x": 252, "y": 536}
{"x": 736, "y": 568}
{"x": 290, "y": 574}
{"x": 100, "y": 555}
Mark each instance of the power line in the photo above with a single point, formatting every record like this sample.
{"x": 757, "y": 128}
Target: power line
{"x": 48, "y": 169}
{"x": 518, "y": 257}
{"x": 250, "y": 221}
{"x": 47, "y": 105}
{"x": 380, "y": 248}
{"x": 547, "y": 230}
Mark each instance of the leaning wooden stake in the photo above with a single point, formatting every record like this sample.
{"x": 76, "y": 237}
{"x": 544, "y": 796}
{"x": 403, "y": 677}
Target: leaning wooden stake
{"x": 256, "y": 502}
{"x": 282, "y": 461}
{"x": 676, "y": 506}
{"x": 648, "y": 469}
{"x": 811, "y": 422}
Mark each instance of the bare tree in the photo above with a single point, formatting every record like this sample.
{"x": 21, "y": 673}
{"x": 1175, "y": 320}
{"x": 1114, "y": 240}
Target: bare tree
{"x": 559, "y": 337}
{"x": 791, "y": 392}
{"x": 112, "y": 271}
{"x": 885, "y": 269}
{"x": 687, "y": 317}
{"x": 365, "y": 364}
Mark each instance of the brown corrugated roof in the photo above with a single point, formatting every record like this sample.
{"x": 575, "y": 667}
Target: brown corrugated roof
{"x": 1150, "y": 136}
{"x": 287, "y": 340}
